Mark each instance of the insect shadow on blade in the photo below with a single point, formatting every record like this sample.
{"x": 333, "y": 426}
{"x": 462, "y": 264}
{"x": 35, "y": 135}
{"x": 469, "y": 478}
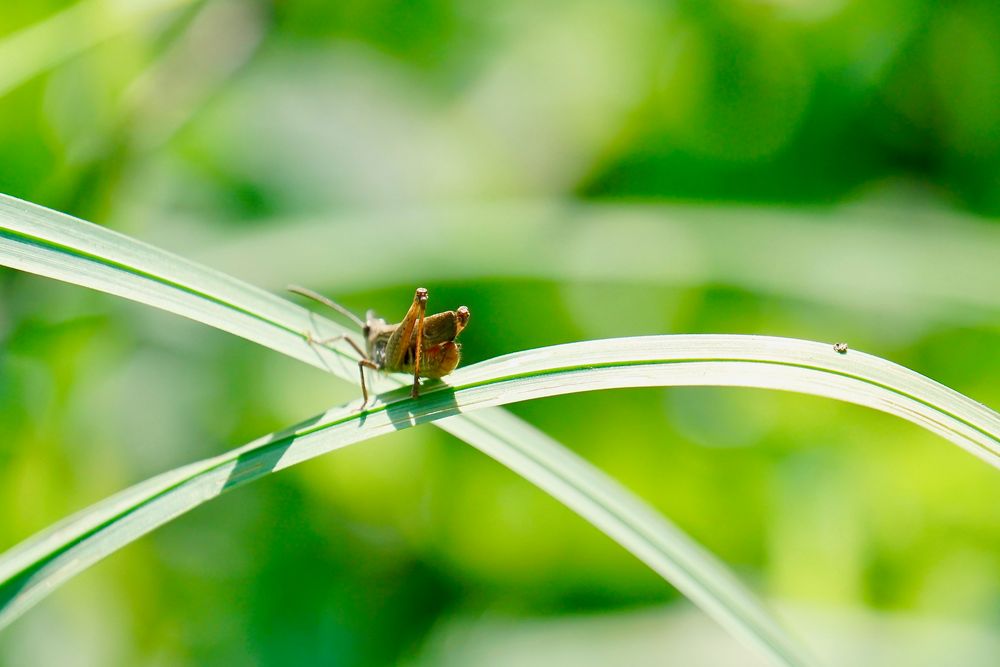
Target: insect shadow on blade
{"x": 421, "y": 344}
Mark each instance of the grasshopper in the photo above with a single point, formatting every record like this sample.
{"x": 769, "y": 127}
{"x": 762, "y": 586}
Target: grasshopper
{"x": 421, "y": 344}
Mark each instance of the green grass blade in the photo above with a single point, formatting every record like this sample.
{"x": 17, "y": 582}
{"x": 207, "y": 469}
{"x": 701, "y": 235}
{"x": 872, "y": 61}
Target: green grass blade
{"x": 34, "y": 568}
{"x": 44, "y": 242}
{"x": 745, "y": 361}
{"x": 632, "y": 523}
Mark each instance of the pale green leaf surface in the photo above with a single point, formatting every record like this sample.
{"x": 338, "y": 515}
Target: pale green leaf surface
{"x": 41, "y": 241}
{"x": 31, "y": 570}
{"x": 927, "y": 264}
{"x": 48, "y": 243}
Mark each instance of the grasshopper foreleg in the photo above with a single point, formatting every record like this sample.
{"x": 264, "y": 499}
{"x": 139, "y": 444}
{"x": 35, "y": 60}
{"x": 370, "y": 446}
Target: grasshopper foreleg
{"x": 312, "y": 340}
{"x": 362, "y": 365}
{"x": 421, "y": 298}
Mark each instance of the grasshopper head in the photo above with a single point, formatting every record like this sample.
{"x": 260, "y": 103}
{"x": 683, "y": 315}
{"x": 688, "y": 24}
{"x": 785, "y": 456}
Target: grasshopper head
{"x": 377, "y": 334}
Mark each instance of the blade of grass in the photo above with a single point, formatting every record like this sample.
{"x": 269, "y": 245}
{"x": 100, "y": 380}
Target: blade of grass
{"x": 42, "y": 241}
{"x": 34, "y": 568}
{"x": 38, "y": 240}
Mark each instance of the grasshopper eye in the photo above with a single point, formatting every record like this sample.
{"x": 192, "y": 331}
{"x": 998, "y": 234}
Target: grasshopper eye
{"x": 366, "y": 330}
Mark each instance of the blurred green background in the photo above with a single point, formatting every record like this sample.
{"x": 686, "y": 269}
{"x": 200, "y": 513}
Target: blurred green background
{"x": 824, "y": 169}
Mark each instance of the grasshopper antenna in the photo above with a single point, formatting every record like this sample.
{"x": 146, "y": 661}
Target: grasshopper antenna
{"x": 316, "y": 296}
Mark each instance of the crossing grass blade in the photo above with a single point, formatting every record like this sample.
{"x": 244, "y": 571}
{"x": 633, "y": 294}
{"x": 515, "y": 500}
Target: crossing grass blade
{"x": 41, "y": 241}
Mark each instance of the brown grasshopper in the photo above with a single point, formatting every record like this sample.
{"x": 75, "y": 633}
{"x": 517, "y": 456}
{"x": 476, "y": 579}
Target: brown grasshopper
{"x": 422, "y": 345}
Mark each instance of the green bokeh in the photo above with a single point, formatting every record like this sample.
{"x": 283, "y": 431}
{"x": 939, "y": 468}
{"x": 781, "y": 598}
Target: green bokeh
{"x": 232, "y": 131}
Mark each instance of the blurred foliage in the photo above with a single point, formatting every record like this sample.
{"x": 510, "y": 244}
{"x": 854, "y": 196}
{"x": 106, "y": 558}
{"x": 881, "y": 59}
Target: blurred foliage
{"x": 203, "y": 125}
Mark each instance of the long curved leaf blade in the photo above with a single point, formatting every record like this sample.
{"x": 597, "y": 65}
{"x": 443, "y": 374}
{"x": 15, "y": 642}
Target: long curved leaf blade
{"x": 33, "y": 569}
{"x": 45, "y": 242}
